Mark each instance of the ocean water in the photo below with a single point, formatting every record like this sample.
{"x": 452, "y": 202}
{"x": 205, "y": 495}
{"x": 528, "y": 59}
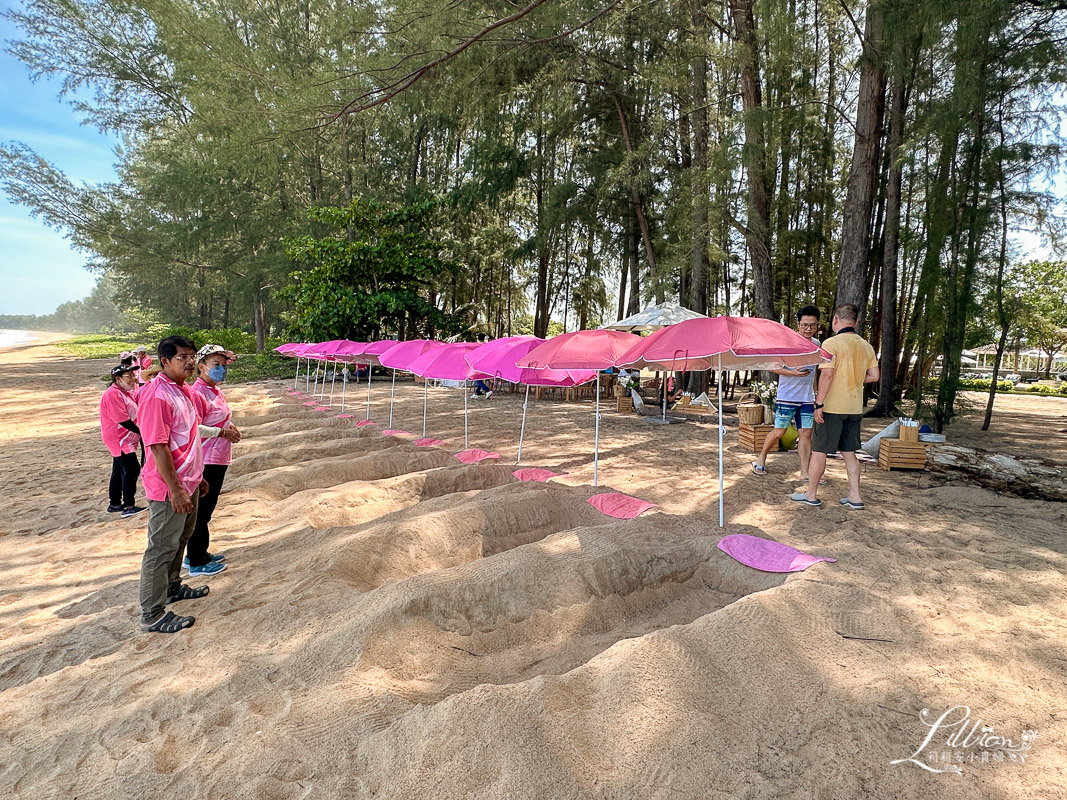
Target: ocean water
{"x": 9, "y": 338}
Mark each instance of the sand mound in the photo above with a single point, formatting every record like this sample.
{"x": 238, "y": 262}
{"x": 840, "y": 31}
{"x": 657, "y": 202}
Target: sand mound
{"x": 290, "y": 449}
{"x": 280, "y": 482}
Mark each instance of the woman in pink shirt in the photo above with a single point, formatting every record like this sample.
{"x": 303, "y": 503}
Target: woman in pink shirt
{"x": 118, "y": 429}
{"x": 217, "y": 435}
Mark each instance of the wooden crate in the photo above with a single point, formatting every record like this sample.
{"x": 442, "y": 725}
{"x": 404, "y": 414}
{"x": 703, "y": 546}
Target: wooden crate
{"x": 898, "y": 454}
{"x": 624, "y": 405}
{"x": 751, "y": 436}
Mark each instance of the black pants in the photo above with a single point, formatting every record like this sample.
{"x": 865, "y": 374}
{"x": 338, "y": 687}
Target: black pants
{"x": 124, "y": 473}
{"x": 197, "y": 548}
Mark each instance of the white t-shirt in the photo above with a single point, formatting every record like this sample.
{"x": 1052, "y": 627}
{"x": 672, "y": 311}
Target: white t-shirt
{"x": 797, "y": 391}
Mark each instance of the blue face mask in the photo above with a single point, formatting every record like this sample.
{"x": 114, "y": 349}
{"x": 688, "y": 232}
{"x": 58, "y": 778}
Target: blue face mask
{"x": 217, "y": 373}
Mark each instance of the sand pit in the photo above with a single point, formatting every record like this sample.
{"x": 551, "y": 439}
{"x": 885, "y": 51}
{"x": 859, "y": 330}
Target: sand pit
{"x": 396, "y": 624}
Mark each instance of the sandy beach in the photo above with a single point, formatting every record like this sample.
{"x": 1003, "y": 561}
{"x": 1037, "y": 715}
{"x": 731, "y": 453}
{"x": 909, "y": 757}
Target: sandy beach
{"x": 397, "y": 624}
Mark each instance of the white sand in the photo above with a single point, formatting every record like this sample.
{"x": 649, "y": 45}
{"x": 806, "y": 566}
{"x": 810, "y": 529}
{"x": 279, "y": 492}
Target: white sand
{"x": 395, "y": 624}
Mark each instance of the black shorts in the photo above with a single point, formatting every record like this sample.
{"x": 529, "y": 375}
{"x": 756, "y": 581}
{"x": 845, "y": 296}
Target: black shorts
{"x": 838, "y": 432}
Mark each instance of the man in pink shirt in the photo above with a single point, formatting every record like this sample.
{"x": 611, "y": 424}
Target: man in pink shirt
{"x": 173, "y": 482}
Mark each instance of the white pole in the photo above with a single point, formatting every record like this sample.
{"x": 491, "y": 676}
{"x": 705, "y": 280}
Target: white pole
{"x": 344, "y": 387}
{"x": 596, "y": 436}
{"x": 425, "y": 391}
{"x": 665, "y": 374}
{"x": 297, "y": 378}
{"x": 464, "y": 415}
{"x": 522, "y": 430}
{"x": 333, "y": 383}
{"x": 718, "y": 381}
{"x": 315, "y": 386}
{"x": 370, "y": 368}
{"x": 392, "y": 396}
{"x": 307, "y": 375}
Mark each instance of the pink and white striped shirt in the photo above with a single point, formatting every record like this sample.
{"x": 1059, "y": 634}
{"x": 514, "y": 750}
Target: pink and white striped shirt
{"x": 168, "y": 415}
{"x": 215, "y": 413}
{"x": 117, "y": 406}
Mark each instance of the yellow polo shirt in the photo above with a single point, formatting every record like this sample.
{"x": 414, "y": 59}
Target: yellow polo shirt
{"x": 853, "y": 356}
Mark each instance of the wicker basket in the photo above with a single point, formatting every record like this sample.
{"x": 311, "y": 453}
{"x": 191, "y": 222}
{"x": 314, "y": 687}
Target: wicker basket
{"x": 749, "y": 409}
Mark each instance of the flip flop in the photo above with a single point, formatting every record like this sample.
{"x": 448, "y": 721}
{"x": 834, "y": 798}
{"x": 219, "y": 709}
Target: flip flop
{"x": 758, "y": 470}
{"x": 854, "y": 506}
{"x": 800, "y": 497}
{"x": 168, "y": 623}
{"x": 822, "y": 481}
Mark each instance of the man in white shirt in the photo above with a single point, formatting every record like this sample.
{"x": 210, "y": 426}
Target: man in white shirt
{"x": 795, "y": 401}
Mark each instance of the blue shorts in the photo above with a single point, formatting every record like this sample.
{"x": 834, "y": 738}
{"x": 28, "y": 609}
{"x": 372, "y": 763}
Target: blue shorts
{"x": 804, "y": 415}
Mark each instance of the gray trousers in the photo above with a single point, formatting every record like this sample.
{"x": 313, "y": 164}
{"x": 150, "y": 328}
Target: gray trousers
{"x": 161, "y": 565}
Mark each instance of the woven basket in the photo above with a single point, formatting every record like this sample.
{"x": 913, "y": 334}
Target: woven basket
{"x": 749, "y": 409}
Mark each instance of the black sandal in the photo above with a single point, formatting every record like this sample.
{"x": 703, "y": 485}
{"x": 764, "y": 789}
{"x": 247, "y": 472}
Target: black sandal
{"x": 168, "y": 623}
{"x": 187, "y": 592}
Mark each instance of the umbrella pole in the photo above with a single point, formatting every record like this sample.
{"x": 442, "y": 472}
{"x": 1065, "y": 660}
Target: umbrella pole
{"x": 370, "y": 367}
{"x": 315, "y": 385}
{"x": 425, "y": 394}
{"x": 392, "y": 396}
{"x": 344, "y": 387}
{"x": 596, "y": 435}
{"x": 718, "y": 382}
{"x": 464, "y": 415}
{"x": 665, "y": 398}
{"x": 297, "y": 378}
{"x": 333, "y": 383}
{"x": 522, "y": 430}
{"x": 307, "y": 376}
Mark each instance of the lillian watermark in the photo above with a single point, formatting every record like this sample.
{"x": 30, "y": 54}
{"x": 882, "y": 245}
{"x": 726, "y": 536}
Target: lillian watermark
{"x": 954, "y": 739}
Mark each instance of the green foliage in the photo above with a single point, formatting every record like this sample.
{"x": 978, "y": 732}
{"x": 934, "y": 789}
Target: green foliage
{"x": 229, "y": 338}
{"x": 983, "y": 384}
{"x": 1038, "y": 388}
{"x": 376, "y": 277}
{"x": 261, "y": 366}
{"x": 97, "y": 345}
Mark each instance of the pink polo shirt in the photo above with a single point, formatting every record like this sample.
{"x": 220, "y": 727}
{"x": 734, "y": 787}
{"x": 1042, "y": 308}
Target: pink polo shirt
{"x": 215, "y": 413}
{"x": 167, "y": 415}
{"x": 117, "y": 406}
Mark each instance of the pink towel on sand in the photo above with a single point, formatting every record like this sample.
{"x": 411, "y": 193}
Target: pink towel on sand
{"x": 312, "y": 403}
{"x": 394, "y": 432}
{"x": 536, "y": 474}
{"x": 323, "y": 408}
{"x": 364, "y": 422}
{"x": 767, "y": 554}
{"x": 428, "y": 442}
{"x": 343, "y": 416}
{"x": 619, "y": 505}
{"x": 474, "y": 455}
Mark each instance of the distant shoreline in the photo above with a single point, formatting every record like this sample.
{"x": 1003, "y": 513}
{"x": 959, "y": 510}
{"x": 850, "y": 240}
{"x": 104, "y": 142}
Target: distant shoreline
{"x": 11, "y": 338}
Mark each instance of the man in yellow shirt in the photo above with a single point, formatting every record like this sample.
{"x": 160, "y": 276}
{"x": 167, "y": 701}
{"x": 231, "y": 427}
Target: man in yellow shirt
{"x": 839, "y": 406}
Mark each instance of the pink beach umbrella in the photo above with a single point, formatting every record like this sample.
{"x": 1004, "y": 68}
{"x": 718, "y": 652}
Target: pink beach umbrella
{"x": 724, "y": 343}
{"x": 446, "y": 363}
{"x": 289, "y": 349}
{"x": 368, "y": 354}
{"x": 595, "y": 350}
{"x": 399, "y": 356}
{"x": 497, "y": 359}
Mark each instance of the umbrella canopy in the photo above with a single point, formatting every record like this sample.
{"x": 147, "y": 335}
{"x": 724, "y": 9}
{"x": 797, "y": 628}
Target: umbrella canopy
{"x": 288, "y": 348}
{"x": 655, "y": 317}
{"x": 349, "y": 352}
{"x": 446, "y": 363}
{"x": 399, "y": 355}
{"x": 594, "y": 350}
{"x": 326, "y": 350}
{"x": 497, "y": 359}
{"x": 724, "y": 343}
{"x": 371, "y": 351}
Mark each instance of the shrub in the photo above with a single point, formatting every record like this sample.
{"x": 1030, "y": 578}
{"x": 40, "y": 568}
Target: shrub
{"x": 1040, "y": 388}
{"x": 233, "y": 339}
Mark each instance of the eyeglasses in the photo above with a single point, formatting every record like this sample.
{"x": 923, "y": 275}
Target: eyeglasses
{"x": 184, "y": 357}
{"x": 807, "y": 324}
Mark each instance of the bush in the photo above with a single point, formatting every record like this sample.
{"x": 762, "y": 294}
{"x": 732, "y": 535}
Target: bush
{"x": 982, "y": 385}
{"x": 1040, "y": 388}
{"x": 262, "y": 366}
{"x": 154, "y": 334}
{"x": 233, "y": 339}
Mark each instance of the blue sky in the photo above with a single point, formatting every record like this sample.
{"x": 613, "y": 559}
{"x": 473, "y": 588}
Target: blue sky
{"x": 38, "y": 268}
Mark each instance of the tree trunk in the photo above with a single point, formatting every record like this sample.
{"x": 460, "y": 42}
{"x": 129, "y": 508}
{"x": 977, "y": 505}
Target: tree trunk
{"x": 863, "y": 172}
{"x": 758, "y": 229}
{"x": 887, "y": 365}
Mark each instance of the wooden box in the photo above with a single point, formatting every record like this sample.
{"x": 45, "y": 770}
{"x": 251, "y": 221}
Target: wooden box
{"x": 898, "y": 454}
{"x": 751, "y": 436}
{"x": 624, "y": 405}
{"x": 909, "y": 433}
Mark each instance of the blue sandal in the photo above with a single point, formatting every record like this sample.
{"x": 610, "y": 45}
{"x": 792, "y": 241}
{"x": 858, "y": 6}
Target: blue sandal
{"x": 758, "y": 470}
